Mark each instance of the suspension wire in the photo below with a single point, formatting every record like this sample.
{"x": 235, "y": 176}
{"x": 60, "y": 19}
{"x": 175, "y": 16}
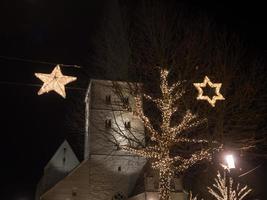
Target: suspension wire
{"x": 36, "y": 61}
{"x": 36, "y": 85}
{"x": 248, "y": 172}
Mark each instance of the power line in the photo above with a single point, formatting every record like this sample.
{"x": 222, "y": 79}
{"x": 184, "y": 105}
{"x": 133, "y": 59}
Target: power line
{"x": 36, "y": 61}
{"x": 39, "y": 62}
{"x": 249, "y": 171}
{"x": 17, "y": 83}
{"x": 36, "y": 85}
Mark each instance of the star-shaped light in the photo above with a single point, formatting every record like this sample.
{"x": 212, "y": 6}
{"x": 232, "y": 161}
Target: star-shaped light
{"x": 217, "y": 87}
{"x": 55, "y": 81}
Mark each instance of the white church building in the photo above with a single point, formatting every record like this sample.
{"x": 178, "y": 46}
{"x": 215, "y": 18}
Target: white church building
{"x": 105, "y": 172}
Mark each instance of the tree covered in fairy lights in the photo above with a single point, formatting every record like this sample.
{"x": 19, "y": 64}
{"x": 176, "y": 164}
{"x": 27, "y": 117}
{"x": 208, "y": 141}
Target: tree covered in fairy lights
{"x": 160, "y": 35}
{"x": 226, "y": 189}
{"x": 191, "y": 197}
{"x": 168, "y": 136}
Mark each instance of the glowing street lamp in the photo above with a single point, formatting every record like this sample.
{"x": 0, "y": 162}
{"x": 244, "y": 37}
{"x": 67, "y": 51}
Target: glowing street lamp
{"x": 230, "y": 164}
{"x": 230, "y": 161}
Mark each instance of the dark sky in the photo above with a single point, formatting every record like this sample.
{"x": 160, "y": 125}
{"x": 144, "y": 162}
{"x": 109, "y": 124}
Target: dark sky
{"x": 60, "y": 31}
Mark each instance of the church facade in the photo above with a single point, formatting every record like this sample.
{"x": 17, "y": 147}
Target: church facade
{"x": 105, "y": 172}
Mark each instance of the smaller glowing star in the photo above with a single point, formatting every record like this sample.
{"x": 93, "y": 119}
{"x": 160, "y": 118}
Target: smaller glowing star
{"x": 217, "y": 87}
{"x": 55, "y": 81}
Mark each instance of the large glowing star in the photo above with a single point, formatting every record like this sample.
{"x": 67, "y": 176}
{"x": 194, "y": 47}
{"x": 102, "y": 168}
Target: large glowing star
{"x": 55, "y": 81}
{"x": 217, "y": 87}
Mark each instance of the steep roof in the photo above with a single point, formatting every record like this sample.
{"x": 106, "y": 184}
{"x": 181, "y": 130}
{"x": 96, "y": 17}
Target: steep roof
{"x": 59, "y": 166}
{"x": 78, "y": 176}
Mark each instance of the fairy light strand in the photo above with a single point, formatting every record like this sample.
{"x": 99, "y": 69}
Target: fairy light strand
{"x": 55, "y": 81}
{"x": 168, "y": 136}
{"x": 36, "y": 85}
{"x": 217, "y": 87}
{"x": 227, "y": 190}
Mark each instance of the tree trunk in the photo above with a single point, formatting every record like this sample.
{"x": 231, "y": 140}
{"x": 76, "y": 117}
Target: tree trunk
{"x": 165, "y": 177}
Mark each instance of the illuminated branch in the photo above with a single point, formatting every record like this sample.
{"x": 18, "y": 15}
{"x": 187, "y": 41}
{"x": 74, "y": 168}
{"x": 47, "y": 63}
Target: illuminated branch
{"x": 175, "y": 86}
{"x": 146, "y": 152}
{"x": 192, "y": 140}
{"x": 139, "y": 112}
{"x": 224, "y": 190}
{"x": 191, "y": 196}
{"x": 185, "y": 124}
{"x": 177, "y": 96}
{"x": 163, "y": 164}
{"x": 198, "y": 156}
{"x": 164, "y": 83}
{"x": 158, "y": 102}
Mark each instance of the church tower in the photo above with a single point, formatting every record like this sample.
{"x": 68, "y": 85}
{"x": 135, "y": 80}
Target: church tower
{"x": 106, "y": 172}
{"x": 108, "y": 125}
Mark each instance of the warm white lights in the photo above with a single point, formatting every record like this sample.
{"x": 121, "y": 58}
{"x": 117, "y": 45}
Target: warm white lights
{"x": 226, "y": 189}
{"x": 217, "y": 87}
{"x": 169, "y": 135}
{"x": 230, "y": 161}
{"x": 55, "y": 81}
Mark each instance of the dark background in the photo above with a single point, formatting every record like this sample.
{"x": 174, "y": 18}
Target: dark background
{"x": 61, "y": 31}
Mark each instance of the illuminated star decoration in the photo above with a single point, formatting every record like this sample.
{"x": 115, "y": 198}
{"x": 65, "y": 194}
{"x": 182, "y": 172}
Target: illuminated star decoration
{"x": 217, "y": 87}
{"x": 55, "y": 81}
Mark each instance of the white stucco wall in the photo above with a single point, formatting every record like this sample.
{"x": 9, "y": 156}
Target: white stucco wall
{"x": 106, "y": 170}
{"x": 155, "y": 196}
{"x": 99, "y": 136}
{"x": 99, "y": 178}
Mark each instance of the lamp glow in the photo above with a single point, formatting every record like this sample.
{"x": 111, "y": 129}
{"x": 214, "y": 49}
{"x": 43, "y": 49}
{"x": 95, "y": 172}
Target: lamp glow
{"x": 230, "y": 161}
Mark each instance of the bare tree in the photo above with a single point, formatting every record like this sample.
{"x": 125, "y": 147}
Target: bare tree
{"x": 155, "y": 33}
{"x": 190, "y": 47}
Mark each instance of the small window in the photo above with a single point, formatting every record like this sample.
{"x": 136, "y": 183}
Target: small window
{"x": 119, "y": 168}
{"x": 125, "y": 101}
{"x": 74, "y": 192}
{"x": 127, "y": 125}
{"x": 108, "y": 99}
{"x": 117, "y": 147}
{"x": 119, "y": 196}
{"x": 108, "y": 123}
{"x": 64, "y": 156}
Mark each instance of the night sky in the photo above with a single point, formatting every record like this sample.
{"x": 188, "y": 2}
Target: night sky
{"x": 61, "y": 31}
